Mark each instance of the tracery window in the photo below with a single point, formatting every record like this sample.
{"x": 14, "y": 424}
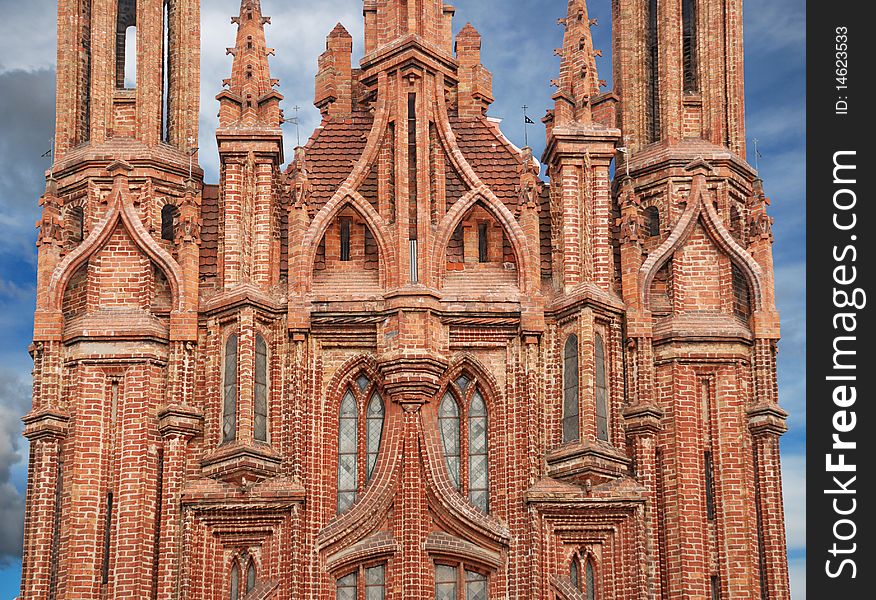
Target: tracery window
{"x": 463, "y": 424}
{"x": 365, "y": 583}
{"x": 459, "y": 582}
{"x": 229, "y": 402}
{"x": 571, "y": 411}
{"x": 582, "y": 575}
{"x": 360, "y": 430}
{"x": 242, "y": 579}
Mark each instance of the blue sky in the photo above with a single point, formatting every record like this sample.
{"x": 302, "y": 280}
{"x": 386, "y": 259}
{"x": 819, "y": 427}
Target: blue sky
{"x": 518, "y": 41}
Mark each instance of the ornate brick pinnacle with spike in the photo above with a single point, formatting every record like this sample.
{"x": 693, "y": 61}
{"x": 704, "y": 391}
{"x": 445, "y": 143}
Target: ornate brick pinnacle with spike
{"x": 404, "y": 366}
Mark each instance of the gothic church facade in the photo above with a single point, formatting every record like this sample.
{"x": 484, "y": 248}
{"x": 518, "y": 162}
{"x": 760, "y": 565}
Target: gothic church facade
{"x": 405, "y": 365}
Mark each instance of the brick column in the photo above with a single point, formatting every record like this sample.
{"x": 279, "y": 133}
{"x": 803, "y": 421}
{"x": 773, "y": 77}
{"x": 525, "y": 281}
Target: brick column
{"x": 767, "y": 424}
{"x": 178, "y": 425}
{"x": 46, "y": 431}
{"x": 643, "y": 426}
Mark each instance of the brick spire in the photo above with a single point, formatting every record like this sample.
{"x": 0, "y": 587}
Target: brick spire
{"x": 578, "y": 81}
{"x": 250, "y": 99}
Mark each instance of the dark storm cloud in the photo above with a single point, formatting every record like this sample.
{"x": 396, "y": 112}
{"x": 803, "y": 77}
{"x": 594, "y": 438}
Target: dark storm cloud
{"x": 27, "y": 105}
{"x": 14, "y": 401}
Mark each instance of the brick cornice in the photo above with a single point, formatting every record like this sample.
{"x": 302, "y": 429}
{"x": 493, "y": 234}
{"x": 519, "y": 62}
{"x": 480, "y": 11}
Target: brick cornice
{"x": 48, "y": 423}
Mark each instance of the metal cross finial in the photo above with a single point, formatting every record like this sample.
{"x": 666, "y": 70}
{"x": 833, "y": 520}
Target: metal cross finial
{"x": 526, "y": 123}
{"x": 757, "y": 154}
{"x": 192, "y": 151}
{"x": 297, "y": 122}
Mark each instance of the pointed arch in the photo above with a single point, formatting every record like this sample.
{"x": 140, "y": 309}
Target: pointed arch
{"x": 320, "y": 224}
{"x": 502, "y": 214}
{"x": 699, "y": 208}
{"x": 365, "y": 515}
{"x": 121, "y": 211}
{"x": 462, "y": 519}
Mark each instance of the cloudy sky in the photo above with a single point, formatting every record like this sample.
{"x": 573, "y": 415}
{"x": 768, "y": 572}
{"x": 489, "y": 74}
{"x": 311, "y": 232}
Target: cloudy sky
{"x": 519, "y": 38}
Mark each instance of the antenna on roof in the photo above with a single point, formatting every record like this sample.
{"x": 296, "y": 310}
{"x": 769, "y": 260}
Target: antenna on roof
{"x": 297, "y": 121}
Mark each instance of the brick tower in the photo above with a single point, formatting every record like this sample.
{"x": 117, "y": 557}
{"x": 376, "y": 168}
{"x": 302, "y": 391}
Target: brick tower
{"x": 403, "y": 366}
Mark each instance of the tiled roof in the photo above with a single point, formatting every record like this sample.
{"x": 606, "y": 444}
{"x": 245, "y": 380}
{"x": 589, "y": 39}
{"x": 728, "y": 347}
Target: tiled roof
{"x": 209, "y": 230}
{"x": 332, "y": 153}
{"x": 493, "y": 159}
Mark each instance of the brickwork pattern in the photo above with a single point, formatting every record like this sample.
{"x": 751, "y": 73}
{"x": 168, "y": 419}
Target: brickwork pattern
{"x": 411, "y": 249}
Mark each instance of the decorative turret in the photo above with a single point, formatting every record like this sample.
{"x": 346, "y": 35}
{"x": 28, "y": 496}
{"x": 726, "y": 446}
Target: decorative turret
{"x": 250, "y": 100}
{"x": 334, "y": 80}
{"x": 251, "y": 151}
{"x": 578, "y": 81}
{"x": 475, "y": 81}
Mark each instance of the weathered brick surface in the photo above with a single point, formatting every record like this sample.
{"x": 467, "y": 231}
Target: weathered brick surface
{"x": 409, "y": 250}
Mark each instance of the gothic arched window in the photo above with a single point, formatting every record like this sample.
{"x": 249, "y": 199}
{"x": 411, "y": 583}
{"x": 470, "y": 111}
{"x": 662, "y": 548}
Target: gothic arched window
{"x": 575, "y": 573}
{"x": 652, "y": 221}
{"x": 360, "y": 431}
{"x": 229, "y": 399}
{"x": 260, "y": 398}
{"x": 126, "y": 44}
{"x": 250, "y": 576}
{"x": 571, "y": 412}
{"x": 601, "y": 390}
{"x": 589, "y": 581}
{"x": 235, "y": 581}
{"x": 463, "y": 424}
{"x": 169, "y": 219}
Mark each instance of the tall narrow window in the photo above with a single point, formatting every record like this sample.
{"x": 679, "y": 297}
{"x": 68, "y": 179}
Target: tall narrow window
{"x": 235, "y": 581}
{"x": 229, "y": 407}
{"x": 347, "y": 586}
{"x": 478, "y": 472}
{"x": 741, "y": 294}
{"x": 375, "y": 583}
{"x": 107, "y": 539}
{"x": 448, "y": 421}
{"x": 482, "y": 242}
{"x": 250, "y": 576}
{"x": 590, "y": 581}
{"x": 571, "y": 420}
{"x": 689, "y": 46}
{"x": 710, "y": 485}
{"x": 76, "y": 228}
{"x": 601, "y": 390}
{"x": 374, "y": 417}
{"x": 165, "y": 72}
{"x": 169, "y": 219}
{"x": 652, "y": 221}
{"x": 260, "y": 399}
{"x": 348, "y": 452}
{"x": 575, "y": 573}
{"x": 126, "y": 44}
{"x": 413, "y": 180}
{"x": 445, "y": 582}
{"x": 346, "y": 225}
{"x": 652, "y": 69}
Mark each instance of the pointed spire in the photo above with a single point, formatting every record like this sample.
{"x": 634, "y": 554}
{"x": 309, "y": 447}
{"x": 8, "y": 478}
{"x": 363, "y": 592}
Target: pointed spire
{"x": 578, "y": 81}
{"x": 250, "y": 99}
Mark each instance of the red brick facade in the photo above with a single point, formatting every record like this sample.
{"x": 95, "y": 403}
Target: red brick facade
{"x": 405, "y": 366}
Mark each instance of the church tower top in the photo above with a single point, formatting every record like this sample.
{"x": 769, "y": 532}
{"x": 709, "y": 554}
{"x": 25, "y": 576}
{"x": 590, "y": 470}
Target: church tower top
{"x": 250, "y": 100}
